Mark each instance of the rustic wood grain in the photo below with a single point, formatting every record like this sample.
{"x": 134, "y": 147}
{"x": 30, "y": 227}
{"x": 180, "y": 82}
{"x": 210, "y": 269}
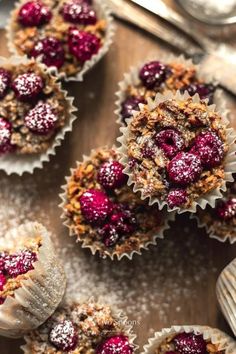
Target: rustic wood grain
{"x": 95, "y": 127}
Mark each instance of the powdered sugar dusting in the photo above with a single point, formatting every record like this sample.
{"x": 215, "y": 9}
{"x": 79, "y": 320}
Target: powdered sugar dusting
{"x": 41, "y": 119}
{"x": 160, "y": 281}
{"x": 28, "y": 85}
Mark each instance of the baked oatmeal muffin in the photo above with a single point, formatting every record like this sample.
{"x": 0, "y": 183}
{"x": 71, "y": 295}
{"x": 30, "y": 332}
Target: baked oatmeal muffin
{"x": 81, "y": 328}
{"x": 220, "y": 221}
{"x": 32, "y": 282}
{"x": 168, "y": 74}
{"x": 176, "y": 151}
{"x": 35, "y": 114}
{"x": 226, "y": 294}
{"x": 190, "y": 340}
{"x": 104, "y": 213}
{"x": 33, "y": 108}
{"x": 70, "y": 35}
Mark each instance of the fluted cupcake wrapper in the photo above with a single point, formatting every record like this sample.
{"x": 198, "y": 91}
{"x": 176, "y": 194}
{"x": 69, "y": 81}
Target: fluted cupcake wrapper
{"x": 131, "y": 78}
{"x": 103, "y": 12}
{"x": 40, "y": 293}
{"x": 18, "y": 164}
{"x": 229, "y": 161}
{"x": 226, "y": 294}
{"x": 215, "y": 336}
{"x": 119, "y": 316}
{"x": 113, "y": 255}
{"x": 212, "y": 231}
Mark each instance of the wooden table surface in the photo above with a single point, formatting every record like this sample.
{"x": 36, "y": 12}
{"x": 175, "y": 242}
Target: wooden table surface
{"x": 187, "y": 260}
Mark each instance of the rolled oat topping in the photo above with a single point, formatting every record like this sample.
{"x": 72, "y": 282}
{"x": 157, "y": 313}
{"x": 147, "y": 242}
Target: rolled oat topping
{"x": 188, "y": 145}
{"x": 33, "y": 109}
{"x": 87, "y": 328}
{"x": 187, "y": 343}
{"x": 15, "y": 263}
{"x": 63, "y": 33}
{"x": 103, "y": 211}
{"x": 156, "y": 77}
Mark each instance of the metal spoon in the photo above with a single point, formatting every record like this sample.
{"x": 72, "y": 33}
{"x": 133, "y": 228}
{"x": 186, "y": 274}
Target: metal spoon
{"x": 203, "y": 13}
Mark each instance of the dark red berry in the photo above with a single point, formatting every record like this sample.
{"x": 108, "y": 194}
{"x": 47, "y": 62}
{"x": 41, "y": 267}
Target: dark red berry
{"x": 110, "y": 235}
{"x": 209, "y": 148}
{"x": 204, "y": 91}
{"x": 176, "y": 197}
{"x": 226, "y": 210}
{"x": 111, "y": 176}
{"x": 2, "y": 262}
{"x": 27, "y": 86}
{"x": 115, "y": 345}
{"x": 83, "y": 45}
{"x": 5, "y": 136}
{"x": 131, "y": 104}
{"x": 34, "y": 13}
{"x": 51, "y": 50}
{"x": 2, "y": 281}
{"x": 41, "y": 119}
{"x": 2, "y": 300}
{"x": 19, "y": 263}
{"x": 5, "y": 79}
{"x": 185, "y": 168}
{"x": 170, "y": 141}
{"x": 63, "y": 336}
{"x": 190, "y": 343}
{"x": 148, "y": 151}
{"x": 153, "y": 74}
{"x": 79, "y": 12}
{"x": 95, "y": 206}
{"x": 132, "y": 162}
{"x": 122, "y": 222}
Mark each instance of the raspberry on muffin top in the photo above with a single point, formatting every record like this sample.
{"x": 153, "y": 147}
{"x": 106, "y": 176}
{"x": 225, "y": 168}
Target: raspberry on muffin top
{"x": 64, "y": 34}
{"x": 15, "y": 263}
{"x": 177, "y": 151}
{"x": 103, "y": 211}
{"x": 156, "y": 76}
{"x": 187, "y": 343}
{"x": 221, "y": 220}
{"x": 81, "y": 328}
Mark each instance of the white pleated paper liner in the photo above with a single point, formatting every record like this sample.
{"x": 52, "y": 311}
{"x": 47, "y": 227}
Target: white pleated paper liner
{"x": 126, "y": 327}
{"x": 39, "y": 294}
{"x": 215, "y": 336}
{"x": 212, "y": 230}
{"x": 109, "y": 253}
{"x": 13, "y": 163}
{"x": 229, "y": 160}
{"x": 103, "y": 12}
{"x": 131, "y": 78}
{"x": 226, "y": 294}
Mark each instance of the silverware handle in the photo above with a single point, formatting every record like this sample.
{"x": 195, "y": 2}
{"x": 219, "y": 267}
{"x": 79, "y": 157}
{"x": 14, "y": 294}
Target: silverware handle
{"x": 129, "y": 13}
{"x": 159, "y": 8}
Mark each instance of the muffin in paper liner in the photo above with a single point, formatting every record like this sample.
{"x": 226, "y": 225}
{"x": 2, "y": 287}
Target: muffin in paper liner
{"x": 220, "y": 222}
{"x": 40, "y": 291}
{"x": 229, "y": 162}
{"x": 87, "y": 238}
{"x": 215, "y": 336}
{"x": 131, "y": 78}
{"x": 226, "y": 293}
{"x": 14, "y": 163}
{"x": 37, "y": 341}
{"x": 103, "y": 12}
